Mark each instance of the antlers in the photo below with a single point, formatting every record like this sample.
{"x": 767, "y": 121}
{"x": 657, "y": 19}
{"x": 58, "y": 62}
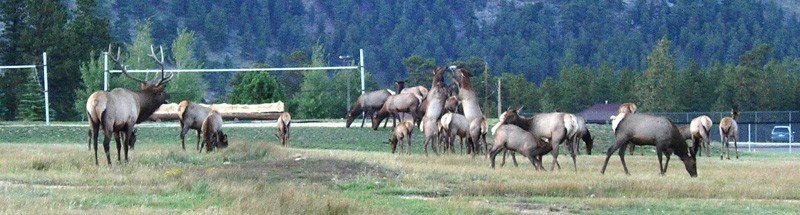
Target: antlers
{"x": 124, "y": 69}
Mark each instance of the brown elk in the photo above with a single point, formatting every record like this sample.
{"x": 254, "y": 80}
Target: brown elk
{"x": 516, "y": 139}
{"x": 728, "y": 129}
{"x": 699, "y": 134}
{"x": 628, "y": 108}
{"x": 120, "y": 109}
{"x": 284, "y": 125}
{"x": 402, "y": 131}
{"x": 394, "y": 105}
{"x": 641, "y": 129}
{"x": 469, "y": 101}
{"x": 434, "y": 110}
{"x": 550, "y": 126}
{"x": 191, "y": 116}
{"x": 582, "y": 133}
{"x": 213, "y": 137}
{"x": 368, "y": 103}
{"x": 454, "y": 124}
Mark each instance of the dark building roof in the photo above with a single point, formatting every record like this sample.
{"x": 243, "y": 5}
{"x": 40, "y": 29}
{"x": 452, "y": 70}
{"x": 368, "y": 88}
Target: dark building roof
{"x": 599, "y": 113}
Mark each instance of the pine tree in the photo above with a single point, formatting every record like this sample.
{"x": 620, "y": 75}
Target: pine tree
{"x": 656, "y": 87}
{"x": 31, "y": 102}
{"x": 185, "y": 86}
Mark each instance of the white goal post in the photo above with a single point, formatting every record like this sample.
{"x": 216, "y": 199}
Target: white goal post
{"x": 46, "y": 88}
{"x": 360, "y": 67}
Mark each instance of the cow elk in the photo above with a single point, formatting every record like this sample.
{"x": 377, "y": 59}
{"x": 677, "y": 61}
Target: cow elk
{"x": 284, "y": 125}
{"x": 728, "y": 129}
{"x": 213, "y": 137}
{"x": 119, "y": 110}
{"x": 394, "y": 105}
{"x": 550, "y": 126}
{"x": 368, "y": 103}
{"x": 641, "y": 129}
{"x": 454, "y": 124}
{"x": 434, "y": 110}
{"x": 515, "y": 139}
{"x": 699, "y": 133}
{"x": 191, "y": 116}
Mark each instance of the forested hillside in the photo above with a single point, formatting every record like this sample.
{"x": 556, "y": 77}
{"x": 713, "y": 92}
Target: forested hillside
{"x": 604, "y": 49}
{"x": 527, "y": 37}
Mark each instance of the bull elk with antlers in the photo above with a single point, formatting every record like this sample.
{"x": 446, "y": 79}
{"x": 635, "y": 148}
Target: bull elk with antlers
{"x": 120, "y": 109}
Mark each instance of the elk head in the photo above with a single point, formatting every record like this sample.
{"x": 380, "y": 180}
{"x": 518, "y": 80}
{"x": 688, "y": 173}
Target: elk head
{"x": 152, "y": 92}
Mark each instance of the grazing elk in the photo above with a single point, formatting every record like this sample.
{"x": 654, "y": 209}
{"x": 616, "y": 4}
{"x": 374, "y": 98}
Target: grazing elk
{"x": 120, "y": 109}
{"x": 213, "y": 137}
{"x": 641, "y": 129}
{"x": 284, "y": 125}
{"x": 550, "y": 126}
{"x": 394, "y": 105}
{"x": 434, "y": 110}
{"x": 402, "y": 131}
{"x": 699, "y": 133}
{"x": 369, "y": 103}
{"x": 516, "y": 139}
{"x": 455, "y": 124}
{"x": 728, "y": 129}
{"x": 191, "y": 116}
{"x": 581, "y": 132}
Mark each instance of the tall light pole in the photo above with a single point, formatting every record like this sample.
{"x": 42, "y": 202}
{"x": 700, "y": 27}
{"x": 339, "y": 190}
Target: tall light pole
{"x": 346, "y": 61}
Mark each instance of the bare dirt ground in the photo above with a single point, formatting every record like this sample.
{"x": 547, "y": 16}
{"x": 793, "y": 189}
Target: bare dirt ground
{"x": 318, "y": 171}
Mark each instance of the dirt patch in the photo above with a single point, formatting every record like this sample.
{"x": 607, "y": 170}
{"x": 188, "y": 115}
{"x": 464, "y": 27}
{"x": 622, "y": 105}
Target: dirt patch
{"x": 537, "y": 208}
{"x": 326, "y": 171}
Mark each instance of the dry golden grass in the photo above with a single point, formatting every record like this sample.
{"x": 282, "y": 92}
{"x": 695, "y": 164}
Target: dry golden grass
{"x": 261, "y": 178}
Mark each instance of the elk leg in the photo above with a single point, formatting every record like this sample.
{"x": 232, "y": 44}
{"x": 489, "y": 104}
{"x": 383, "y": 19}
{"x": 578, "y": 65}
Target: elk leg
{"x": 609, "y": 153}
{"x": 94, "y": 131}
{"x": 622, "y": 158}
{"x": 128, "y": 133}
{"x": 573, "y": 149}
{"x": 555, "y": 157}
{"x": 493, "y": 154}
{"x": 735, "y": 147}
{"x": 107, "y": 145}
{"x": 288, "y": 131}
{"x": 197, "y": 132}
{"x": 184, "y": 130}
{"x": 666, "y": 164}
{"x": 659, "y": 153}
{"x": 363, "y": 118}
{"x": 119, "y": 149}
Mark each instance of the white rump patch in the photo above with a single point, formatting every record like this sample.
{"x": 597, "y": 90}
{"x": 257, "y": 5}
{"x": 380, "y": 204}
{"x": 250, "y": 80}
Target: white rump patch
{"x": 615, "y": 121}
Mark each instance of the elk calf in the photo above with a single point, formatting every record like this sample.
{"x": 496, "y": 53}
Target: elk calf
{"x": 191, "y": 116}
{"x": 284, "y": 123}
{"x": 514, "y": 138}
{"x": 213, "y": 137}
{"x": 728, "y": 129}
{"x": 402, "y": 132}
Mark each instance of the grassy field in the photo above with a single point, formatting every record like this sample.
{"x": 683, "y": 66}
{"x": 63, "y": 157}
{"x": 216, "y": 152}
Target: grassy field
{"x": 49, "y": 170}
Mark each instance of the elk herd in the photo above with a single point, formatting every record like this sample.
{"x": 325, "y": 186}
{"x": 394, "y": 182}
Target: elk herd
{"x": 442, "y": 113}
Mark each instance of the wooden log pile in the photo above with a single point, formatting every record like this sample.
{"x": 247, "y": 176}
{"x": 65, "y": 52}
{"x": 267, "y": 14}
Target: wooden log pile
{"x": 267, "y": 111}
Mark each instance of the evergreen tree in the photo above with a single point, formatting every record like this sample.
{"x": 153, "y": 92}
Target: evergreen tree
{"x": 185, "y": 86}
{"x": 92, "y": 80}
{"x": 655, "y": 90}
{"x": 313, "y": 100}
{"x": 255, "y": 88}
{"x": 13, "y": 17}
{"x": 549, "y": 93}
{"x": 31, "y": 100}
{"x": 419, "y": 70}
